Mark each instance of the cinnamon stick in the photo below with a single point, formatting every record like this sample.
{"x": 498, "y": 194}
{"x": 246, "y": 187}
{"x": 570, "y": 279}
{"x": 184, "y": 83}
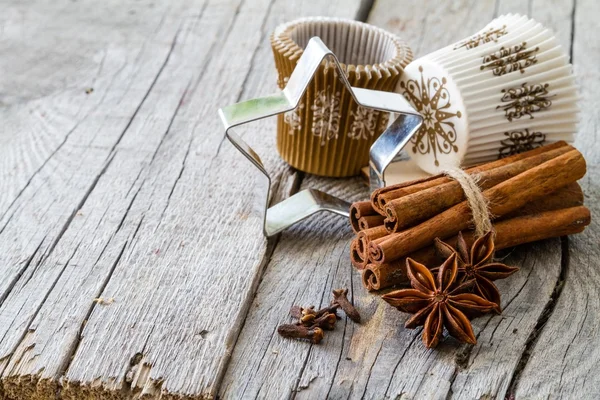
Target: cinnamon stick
{"x": 569, "y": 196}
{"x": 509, "y": 233}
{"x": 370, "y": 221}
{"x": 372, "y": 233}
{"x": 380, "y": 197}
{"x": 358, "y": 256}
{"x": 414, "y": 208}
{"x": 503, "y": 198}
{"x": 358, "y": 210}
{"x": 566, "y": 197}
{"x": 377, "y": 277}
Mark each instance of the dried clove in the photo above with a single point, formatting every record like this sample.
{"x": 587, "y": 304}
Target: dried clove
{"x": 305, "y": 315}
{"x": 331, "y": 309}
{"x": 314, "y": 335}
{"x": 298, "y": 312}
{"x": 310, "y": 323}
{"x": 325, "y": 321}
{"x": 308, "y": 316}
{"x": 340, "y": 298}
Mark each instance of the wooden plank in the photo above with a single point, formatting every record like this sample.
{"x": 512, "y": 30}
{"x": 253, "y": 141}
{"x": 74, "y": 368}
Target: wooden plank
{"x": 46, "y": 205}
{"x": 507, "y": 358}
{"x": 428, "y": 26}
{"x": 379, "y": 358}
{"x": 564, "y": 354}
{"x": 47, "y": 210}
{"x": 513, "y": 7}
{"x": 44, "y": 82}
{"x": 130, "y": 158}
{"x": 310, "y": 259}
{"x": 555, "y": 15}
{"x": 39, "y": 143}
{"x": 165, "y": 231}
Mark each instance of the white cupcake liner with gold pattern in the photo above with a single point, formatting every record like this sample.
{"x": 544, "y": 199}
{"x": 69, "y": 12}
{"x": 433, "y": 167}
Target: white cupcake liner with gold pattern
{"x": 514, "y": 137}
{"x": 553, "y": 131}
{"x": 329, "y": 134}
{"x": 508, "y": 88}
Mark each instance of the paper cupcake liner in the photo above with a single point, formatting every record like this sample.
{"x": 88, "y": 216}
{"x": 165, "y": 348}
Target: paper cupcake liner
{"x": 328, "y": 134}
{"x": 473, "y": 77}
{"x": 523, "y": 116}
{"x": 558, "y": 130}
{"x": 553, "y": 80}
{"x": 518, "y": 139}
{"x": 506, "y": 25}
{"x": 502, "y": 89}
{"x": 520, "y": 135}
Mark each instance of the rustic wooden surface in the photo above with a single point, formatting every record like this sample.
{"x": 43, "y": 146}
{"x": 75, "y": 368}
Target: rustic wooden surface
{"x": 132, "y": 262}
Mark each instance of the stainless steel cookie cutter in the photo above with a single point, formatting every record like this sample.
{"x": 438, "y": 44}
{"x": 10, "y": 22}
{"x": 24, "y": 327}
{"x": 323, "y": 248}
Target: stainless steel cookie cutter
{"x": 382, "y": 152}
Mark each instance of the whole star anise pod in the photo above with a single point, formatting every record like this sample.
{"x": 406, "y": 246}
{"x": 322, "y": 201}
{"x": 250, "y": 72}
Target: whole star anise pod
{"x": 477, "y": 265}
{"x": 438, "y": 304}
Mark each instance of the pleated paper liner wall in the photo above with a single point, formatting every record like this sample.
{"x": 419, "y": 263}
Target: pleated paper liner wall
{"x": 328, "y": 134}
{"x": 506, "y": 89}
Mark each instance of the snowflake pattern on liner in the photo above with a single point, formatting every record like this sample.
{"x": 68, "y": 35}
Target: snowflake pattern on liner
{"x": 509, "y": 59}
{"x": 292, "y": 118}
{"x": 431, "y": 99}
{"x": 327, "y": 118}
{"x": 365, "y": 124}
{"x": 525, "y": 100}
{"x": 326, "y": 115}
{"x": 491, "y": 35}
{"x": 519, "y": 141}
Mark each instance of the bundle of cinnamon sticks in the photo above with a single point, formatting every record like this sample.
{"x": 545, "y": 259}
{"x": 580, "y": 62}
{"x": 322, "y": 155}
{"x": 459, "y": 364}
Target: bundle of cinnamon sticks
{"x": 531, "y": 196}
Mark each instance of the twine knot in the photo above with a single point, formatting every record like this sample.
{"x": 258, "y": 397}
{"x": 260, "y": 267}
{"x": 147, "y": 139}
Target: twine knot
{"x": 477, "y": 202}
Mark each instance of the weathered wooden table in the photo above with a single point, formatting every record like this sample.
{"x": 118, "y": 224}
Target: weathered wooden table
{"x": 132, "y": 264}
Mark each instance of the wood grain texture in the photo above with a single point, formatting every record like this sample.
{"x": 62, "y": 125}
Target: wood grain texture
{"x": 306, "y": 265}
{"x": 141, "y": 276}
{"x": 379, "y": 358}
{"x": 565, "y": 353}
{"x": 76, "y": 205}
{"x": 132, "y": 256}
{"x": 428, "y": 26}
{"x": 553, "y": 14}
{"x": 40, "y": 201}
{"x": 46, "y": 73}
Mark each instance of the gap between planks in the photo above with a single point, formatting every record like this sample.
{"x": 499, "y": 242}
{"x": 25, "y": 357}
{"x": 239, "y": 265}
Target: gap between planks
{"x": 257, "y": 275}
{"x": 297, "y": 178}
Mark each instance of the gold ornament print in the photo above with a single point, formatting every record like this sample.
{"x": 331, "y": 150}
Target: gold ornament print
{"x": 292, "y": 118}
{"x": 519, "y": 141}
{"x": 525, "y": 100}
{"x": 431, "y": 99}
{"x": 491, "y": 35}
{"x": 365, "y": 123}
{"x": 326, "y": 115}
{"x": 506, "y": 60}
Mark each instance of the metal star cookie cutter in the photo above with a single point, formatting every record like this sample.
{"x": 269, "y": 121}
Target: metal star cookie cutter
{"x": 310, "y": 201}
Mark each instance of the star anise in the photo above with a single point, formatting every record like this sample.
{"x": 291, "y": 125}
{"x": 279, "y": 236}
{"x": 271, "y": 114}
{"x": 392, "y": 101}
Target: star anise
{"x": 477, "y": 265}
{"x": 438, "y": 304}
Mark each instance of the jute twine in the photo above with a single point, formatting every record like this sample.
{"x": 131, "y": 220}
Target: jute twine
{"x": 476, "y": 200}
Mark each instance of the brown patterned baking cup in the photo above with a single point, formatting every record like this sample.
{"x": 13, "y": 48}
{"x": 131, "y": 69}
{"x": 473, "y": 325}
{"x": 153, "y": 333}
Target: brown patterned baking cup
{"x": 328, "y": 134}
